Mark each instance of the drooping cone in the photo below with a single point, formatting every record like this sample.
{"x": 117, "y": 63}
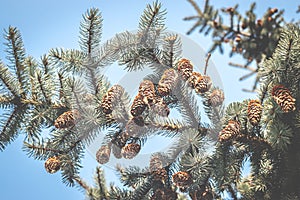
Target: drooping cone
{"x": 103, "y": 154}
{"x": 185, "y": 68}
{"x": 203, "y": 84}
{"x": 231, "y": 130}
{"x": 147, "y": 92}
{"x": 67, "y": 119}
{"x": 132, "y": 128}
{"x": 161, "y": 108}
{"x": 156, "y": 168}
{"x": 164, "y": 194}
{"x": 283, "y": 98}
{"x": 129, "y": 151}
{"x": 167, "y": 82}
{"x": 160, "y": 175}
{"x": 203, "y": 193}
{"x": 111, "y": 98}
{"x": 52, "y": 164}
{"x": 182, "y": 179}
{"x": 193, "y": 79}
{"x": 139, "y": 120}
{"x": 254, "y": 111}
{"x": 216, "y": 97}
{"x": 138, "y": 106}
{"x": 116, "y": 151}
{"x": 155, "y": 162}
{"x": 123, "y": 138}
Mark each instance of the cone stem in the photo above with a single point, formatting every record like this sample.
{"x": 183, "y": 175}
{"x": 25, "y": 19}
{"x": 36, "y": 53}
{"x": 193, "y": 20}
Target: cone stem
{"x": 206, "y": 62}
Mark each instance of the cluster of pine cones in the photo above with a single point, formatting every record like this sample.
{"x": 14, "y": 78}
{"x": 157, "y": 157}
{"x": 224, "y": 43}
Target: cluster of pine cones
{"x": 280, "y": 94}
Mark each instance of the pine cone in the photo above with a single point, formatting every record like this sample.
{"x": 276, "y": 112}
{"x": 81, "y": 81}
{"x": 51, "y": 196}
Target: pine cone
{"x": 185, "y": 68}
{"x": 193, "y": 80}
{"x": 160, "y": 175}
{"x": 283, "y": 98}
{"x": 139, "y": 120}
{"x": 161, "y": 108}
{"x": 203, "y": 84}
{"x": 203, "y": 193}
{"x": 120, "y": 140}
{"x": 103, "y": 154}
{"x": 182, "y": 179}
{"x": 164, "y": 194}
{"x": 138, "y": 106}
{"x": 156, "y": 162}
{"x": 130, "y": 150}
{"x": 168, "y": 82}
{"x": 116, "y": 151}
{"x": 254, "y": 112}
{"x": 133, "y": 129}
{"x": 111, "y": 98}
{"x": 147, "y": 92}
{"x": 52, "y": 164}
{"x": 231, "y": 130}
{"x": 67, "y": 119}
{"x": 216, "y": 97}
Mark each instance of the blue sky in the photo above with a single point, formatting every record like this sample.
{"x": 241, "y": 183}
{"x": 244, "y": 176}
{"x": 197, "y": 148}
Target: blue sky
{"x": 47, "y": 24}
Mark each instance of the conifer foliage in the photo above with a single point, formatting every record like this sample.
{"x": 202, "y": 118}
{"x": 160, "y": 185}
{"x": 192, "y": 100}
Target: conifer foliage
{"x": 248, "y": 35}
{"x": 52, "y": 95}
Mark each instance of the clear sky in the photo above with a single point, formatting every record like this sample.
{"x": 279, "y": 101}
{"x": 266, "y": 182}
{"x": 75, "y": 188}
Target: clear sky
{"x": 47, "y": 24}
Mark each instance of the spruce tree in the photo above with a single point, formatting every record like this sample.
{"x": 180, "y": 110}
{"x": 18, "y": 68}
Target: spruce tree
{"x": 66, "y": 95}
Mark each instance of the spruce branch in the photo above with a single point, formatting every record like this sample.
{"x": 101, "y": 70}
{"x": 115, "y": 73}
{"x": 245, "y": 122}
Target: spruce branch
{"x": 152, "y": 19}
{"x": 40, "y": 150}
{"x": 11, "y": 127}
{"x": 251, "y": 37}
{"x": 101, "y": 183}
{"x": 188, "y": 106}
{"x": 90, "y": 31}
{"x": 9, "y": 81}
{"x": 6, "y": 101}
{"x": 82, "y": 184}
{"x": 16, "y": 55}
{"x": 171, "y": 49}
{"x": 43, "y": 89}
{"x": 67, "y": 61}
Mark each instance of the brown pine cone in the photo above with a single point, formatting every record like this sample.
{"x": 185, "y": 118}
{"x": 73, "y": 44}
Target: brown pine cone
{"x": 193, "y": 80}
{"x": 103, "y": 154}
{"x": 216, "y": 97}
{"x": 138, "y": 106}
{"x": 156, "y": 162}
{"x": 182, "y": 179}
{"x": 283, "y": 98}
{"x": 160, "y": 175}
{"x": 116, "y": 151}
{"x": 52, "y": 164}
{"x": 147, "y": 92}
{"x": 161, "y": 108}
{"x": 164, "y": 194}
{"x": 130, "y": 150}
{"x": 203, "y": 84}
{"x": 167, "y": 82}
{"x": 185, "y": 68}
{"x": 111, "y": 98}
{"x": 67, "y": 119}
{"x": 231, "y": 130}
{"x": 254, "y": 111}
{"x": 132, "y": 128}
